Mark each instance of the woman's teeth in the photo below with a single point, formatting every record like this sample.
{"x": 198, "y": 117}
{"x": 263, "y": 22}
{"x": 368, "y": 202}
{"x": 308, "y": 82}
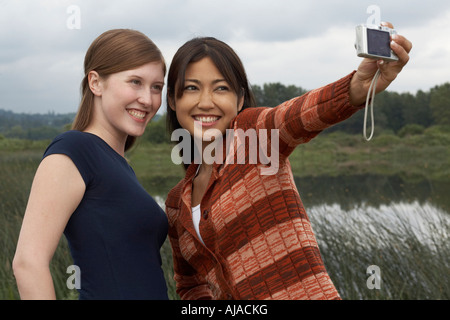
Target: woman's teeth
{"x": 137, "y": 114}
{"x": 206, "y": 119}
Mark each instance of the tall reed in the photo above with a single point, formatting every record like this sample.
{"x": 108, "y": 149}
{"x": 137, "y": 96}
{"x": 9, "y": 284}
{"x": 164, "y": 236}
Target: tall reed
{"x": 408, "y": 242}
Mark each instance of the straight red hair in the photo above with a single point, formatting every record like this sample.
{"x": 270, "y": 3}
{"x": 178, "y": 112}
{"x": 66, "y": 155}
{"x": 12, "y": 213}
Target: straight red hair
{"x": 114, "y": 51}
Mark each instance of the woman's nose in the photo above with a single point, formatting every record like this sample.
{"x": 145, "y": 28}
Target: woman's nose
{"x": 206, "y": 100}
{"x": 145, "y": 98}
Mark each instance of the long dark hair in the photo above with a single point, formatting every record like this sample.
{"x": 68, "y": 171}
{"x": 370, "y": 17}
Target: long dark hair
{"x": 226, "y": 61}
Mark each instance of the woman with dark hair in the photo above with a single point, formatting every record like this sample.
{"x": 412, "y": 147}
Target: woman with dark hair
{"x": 85, "y": 187}
{"x": 238, "y": 232}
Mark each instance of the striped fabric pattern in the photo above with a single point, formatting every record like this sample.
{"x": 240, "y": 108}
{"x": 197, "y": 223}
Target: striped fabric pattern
{"x": 259, "y": 243}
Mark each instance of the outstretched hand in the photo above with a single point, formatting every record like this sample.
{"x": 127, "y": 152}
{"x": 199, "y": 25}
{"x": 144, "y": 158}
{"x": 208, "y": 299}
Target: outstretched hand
{"x": 360, "y": 83}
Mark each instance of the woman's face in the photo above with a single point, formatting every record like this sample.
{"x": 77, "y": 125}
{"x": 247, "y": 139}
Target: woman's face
{"x": 207, "y": 101}
{"x": 130, "y": 99}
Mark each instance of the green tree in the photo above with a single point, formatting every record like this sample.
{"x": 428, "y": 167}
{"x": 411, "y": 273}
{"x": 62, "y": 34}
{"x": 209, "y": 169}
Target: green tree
{"x": 419, "y": 112}
{"x": 156, "y": 131}
{"x": 273, "y": 94}
{"x": 391, "y": 105}
{"x": 42, "y": 133}
{"x": 16, "y": 132}
{"x": 440, "y": 104}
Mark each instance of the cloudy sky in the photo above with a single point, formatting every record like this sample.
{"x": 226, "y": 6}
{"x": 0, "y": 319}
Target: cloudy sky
{"x": 308, "y": 43}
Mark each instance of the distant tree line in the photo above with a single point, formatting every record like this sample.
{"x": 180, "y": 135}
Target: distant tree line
{"x": 33, "y": 126}
{"x": 395, "y": 112}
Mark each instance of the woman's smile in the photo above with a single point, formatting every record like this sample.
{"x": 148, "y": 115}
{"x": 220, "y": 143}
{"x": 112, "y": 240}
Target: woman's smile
{"x": 137, "y": 115}
{"x": 207, "y": 120}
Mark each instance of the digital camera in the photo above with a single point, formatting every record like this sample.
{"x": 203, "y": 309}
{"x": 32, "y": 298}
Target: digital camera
{"x": 374, "y": 42}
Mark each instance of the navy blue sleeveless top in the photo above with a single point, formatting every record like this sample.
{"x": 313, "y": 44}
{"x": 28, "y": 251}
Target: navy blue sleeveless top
{"x": 116, "y": 233}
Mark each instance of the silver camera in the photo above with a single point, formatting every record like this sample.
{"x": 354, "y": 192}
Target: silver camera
{"x": 374, "y": 42}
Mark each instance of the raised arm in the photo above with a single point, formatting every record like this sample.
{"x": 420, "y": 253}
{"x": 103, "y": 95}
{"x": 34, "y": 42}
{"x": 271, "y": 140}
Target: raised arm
{"x": 302, "y": 118}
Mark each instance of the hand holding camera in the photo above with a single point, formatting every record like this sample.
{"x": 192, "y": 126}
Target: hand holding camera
{"x": 374, "y": 42}
{"x": 389, "y": 57}
{"x": 386, "y": 53}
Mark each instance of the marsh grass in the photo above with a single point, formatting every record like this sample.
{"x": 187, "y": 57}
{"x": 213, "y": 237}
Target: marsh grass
{"x": 407, "y": 241}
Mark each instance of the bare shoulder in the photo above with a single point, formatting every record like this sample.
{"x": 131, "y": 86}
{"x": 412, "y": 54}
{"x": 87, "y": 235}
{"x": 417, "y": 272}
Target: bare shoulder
{"x": 58, "y": 182}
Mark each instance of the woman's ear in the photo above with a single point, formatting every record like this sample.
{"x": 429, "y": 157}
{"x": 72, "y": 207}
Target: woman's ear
{"x": 171, "y": 102}
{"x": 241, "y": 100}
{"x": 94, "y": 81}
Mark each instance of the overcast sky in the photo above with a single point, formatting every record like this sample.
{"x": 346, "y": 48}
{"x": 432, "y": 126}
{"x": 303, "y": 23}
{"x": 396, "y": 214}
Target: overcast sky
{"x": 308, "y": 43}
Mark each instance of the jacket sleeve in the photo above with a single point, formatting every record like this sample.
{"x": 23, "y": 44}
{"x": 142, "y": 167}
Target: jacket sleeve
{"x": 302, "y": 118}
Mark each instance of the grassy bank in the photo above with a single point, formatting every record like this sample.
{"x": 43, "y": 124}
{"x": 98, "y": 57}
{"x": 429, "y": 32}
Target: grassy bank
{"x": 426, "y": 155}
{"x": 414, "y": 157}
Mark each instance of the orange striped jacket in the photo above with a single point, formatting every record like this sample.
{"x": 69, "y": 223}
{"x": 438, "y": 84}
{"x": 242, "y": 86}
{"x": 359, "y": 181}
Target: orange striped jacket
{"x": 258, "y": 240}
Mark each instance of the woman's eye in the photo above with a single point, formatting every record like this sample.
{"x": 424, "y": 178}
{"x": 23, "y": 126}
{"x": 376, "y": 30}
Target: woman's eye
{"x": 190, "y": 88}
{"x": 223, "y": 88}
{"x": 136, "y": 82}
{"x": 157, "y": 88}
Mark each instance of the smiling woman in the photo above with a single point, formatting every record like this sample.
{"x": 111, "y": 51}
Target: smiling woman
{"x": 238, "y": 231}
{"x": 205, "y": 88}
{"x": 85, "y": 187}
{"x": 125, "y": 102}
{"x": 103, "y": 59}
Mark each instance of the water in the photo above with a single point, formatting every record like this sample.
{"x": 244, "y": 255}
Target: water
{"x": 428, "y": 224}
{"x": 401, "y": 227}
{"x": 365, "y": 219}
{"x": 364, "y": 200}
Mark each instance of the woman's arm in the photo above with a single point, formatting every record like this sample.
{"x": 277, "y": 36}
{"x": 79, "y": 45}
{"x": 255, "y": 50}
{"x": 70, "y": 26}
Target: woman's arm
{"x": 56, "y": 192}
{"x": 302, "y": 118}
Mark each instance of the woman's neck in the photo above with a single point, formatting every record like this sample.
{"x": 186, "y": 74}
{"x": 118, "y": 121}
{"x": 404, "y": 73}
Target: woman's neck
{"x": 115, "y": 142}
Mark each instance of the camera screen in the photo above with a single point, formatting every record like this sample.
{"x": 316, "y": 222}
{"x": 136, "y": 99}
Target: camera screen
{"x": 378, "y": 42}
